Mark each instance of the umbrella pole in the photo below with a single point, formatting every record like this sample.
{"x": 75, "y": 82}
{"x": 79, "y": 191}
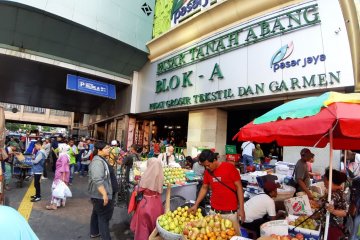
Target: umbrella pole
{"x": 345, "y": 161}
{"x": 330, "y": 182}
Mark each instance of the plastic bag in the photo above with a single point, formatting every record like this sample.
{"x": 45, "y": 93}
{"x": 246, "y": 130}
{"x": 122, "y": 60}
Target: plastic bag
{"x": 61, "y": 190}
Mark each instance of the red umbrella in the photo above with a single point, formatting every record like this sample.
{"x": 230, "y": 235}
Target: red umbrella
{"x": 343, "y": 118}
{"x": 332, "y": 118}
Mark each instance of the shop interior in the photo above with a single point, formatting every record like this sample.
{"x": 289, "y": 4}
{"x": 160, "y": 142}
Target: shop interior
{"x": 239, "y": 116}
{"x": 171, "y": 126}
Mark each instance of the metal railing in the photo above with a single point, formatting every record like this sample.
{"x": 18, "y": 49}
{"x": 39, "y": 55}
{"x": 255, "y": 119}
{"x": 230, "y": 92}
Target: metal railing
{"x": 37, "y": 110}
{"x": 59, "y": 113}
{"x": 10, "y": 106}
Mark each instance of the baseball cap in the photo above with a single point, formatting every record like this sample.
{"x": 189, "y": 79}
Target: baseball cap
{"x": 113, "y": 143}
{"x": 270, "y": 186}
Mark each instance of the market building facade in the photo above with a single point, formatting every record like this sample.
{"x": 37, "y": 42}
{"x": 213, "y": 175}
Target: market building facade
{"x": 222, "y": 63}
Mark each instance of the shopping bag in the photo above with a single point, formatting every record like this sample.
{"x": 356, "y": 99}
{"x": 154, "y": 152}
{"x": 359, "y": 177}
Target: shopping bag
{"x": 132, "y": 202}
{"x": 61, "y": 191}
{"x": 67, "y": 191}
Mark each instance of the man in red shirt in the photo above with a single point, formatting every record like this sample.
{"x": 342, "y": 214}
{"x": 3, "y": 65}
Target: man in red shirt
{"x": 227, "y": 196}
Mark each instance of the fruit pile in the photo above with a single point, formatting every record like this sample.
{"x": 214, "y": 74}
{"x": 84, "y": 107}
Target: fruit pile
{"x": 212, "y": 227}
{"x": 174, "y": 175}
{"x": 175, "y": 221}
{"x": 309, "y": 224}
{"x": 298, "y": 236}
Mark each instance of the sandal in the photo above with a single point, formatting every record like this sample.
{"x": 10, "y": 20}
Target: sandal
{"x": 51, "y": 207}
{"x": 94, "y": 235}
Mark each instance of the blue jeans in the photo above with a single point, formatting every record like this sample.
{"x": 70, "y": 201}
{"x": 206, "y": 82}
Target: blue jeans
{"x": 356, "y": 228}
{"x": 72, "y": 169}
{"x": 78, "y": 167}
{"x": 83, "y": 167}
{"x": 247, "y": 161}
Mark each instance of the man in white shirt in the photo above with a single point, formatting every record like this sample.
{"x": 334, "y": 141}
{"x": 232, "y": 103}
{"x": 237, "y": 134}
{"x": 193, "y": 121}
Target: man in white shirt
{"x": 168, "y": 158}
{"x": 248, "y": 149}
{"x": 261, "y": 207}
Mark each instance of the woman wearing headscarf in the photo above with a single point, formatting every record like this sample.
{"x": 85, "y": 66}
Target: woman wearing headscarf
{"x": 62, "y": 173}
{"x": 150, "y": 207}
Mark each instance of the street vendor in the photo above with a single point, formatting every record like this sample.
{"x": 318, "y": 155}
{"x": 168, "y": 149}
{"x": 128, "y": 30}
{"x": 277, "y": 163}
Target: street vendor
{"x": 301, "y": 172}
{"x": 128, "y": 161}
{"x": 168, "y": 158}
{"x": 339, "y": 207}
{"x": 227, "y": 196}
{"x": 261, "y": 208}
{"x": 8, "y": 155}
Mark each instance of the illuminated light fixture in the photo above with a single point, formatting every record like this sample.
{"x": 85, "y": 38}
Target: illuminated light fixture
{"x": 165, "y": 126}
{"x": 170, "y": 127}
{"x": 178, "y": 127}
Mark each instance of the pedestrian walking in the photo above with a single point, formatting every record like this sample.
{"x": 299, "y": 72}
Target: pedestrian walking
{"x": 62, "y": 174}
{"x": 101, "y": 191}
{"x": 73, "y": 151}
{"x": 38, "y": 168}
{"x": 47, "y": 149}
{"x": 149, "y": 208}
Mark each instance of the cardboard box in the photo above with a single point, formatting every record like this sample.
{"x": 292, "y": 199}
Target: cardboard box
{"x": 298, "y": 205}
{"x": 308, "y": 234}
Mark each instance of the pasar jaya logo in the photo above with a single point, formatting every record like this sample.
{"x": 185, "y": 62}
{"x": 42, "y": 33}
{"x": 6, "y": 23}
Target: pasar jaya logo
{"x": 182, "y": 8}
{"x": 278, "y": 59}
{"x": 283, "y": 53}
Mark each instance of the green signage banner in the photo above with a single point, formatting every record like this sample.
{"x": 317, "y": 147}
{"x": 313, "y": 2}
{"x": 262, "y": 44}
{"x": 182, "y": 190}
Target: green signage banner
{"x": 244, "y": 36}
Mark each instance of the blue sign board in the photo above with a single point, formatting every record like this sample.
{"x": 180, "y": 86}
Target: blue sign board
{"x": 90, "y": 86}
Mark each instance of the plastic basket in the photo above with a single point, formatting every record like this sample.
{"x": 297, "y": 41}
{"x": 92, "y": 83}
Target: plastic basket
{"x": 230, "y": 149}
{"x": 233, "y": 157}
{"x": 166, "y": 234}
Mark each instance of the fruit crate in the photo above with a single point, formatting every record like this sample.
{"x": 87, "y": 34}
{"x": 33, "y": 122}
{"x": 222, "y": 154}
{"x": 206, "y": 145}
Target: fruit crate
{"x": 308, "y": 233}
{"x": 233, "y": 157}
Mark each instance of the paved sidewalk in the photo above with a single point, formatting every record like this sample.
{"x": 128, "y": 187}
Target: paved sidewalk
{"x": 71, "y": 222}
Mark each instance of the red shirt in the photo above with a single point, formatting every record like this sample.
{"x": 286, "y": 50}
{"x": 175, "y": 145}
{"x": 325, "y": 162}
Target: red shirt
{"x": 156, "y": 148}
{"x": 223, "y": 198}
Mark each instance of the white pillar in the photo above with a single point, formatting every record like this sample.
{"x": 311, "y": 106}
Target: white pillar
{"x": 134, "y": 92}
{"x": 207, "y": 128}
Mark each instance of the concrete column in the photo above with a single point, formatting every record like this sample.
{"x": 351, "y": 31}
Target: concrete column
{"x": 134, "y": 92}
{"x": 47, "y": 114}
{"x": 86, "y": 119}
{"x": 207, "y": 128}
{"x": 95, "y": 134}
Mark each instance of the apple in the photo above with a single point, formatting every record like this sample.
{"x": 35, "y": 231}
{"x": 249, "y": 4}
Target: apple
{"x": 299, "y": 236}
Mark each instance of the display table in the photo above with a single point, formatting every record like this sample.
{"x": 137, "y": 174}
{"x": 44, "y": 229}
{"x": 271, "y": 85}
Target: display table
{"x": 187, "y": 191}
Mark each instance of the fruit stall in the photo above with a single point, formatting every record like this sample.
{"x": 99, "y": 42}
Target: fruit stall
{"x": 182, "y": 181}
{"x": 180, "y": 185}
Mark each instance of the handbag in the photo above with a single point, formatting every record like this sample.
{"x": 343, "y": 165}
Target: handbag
{"x": 135, "y": 198}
